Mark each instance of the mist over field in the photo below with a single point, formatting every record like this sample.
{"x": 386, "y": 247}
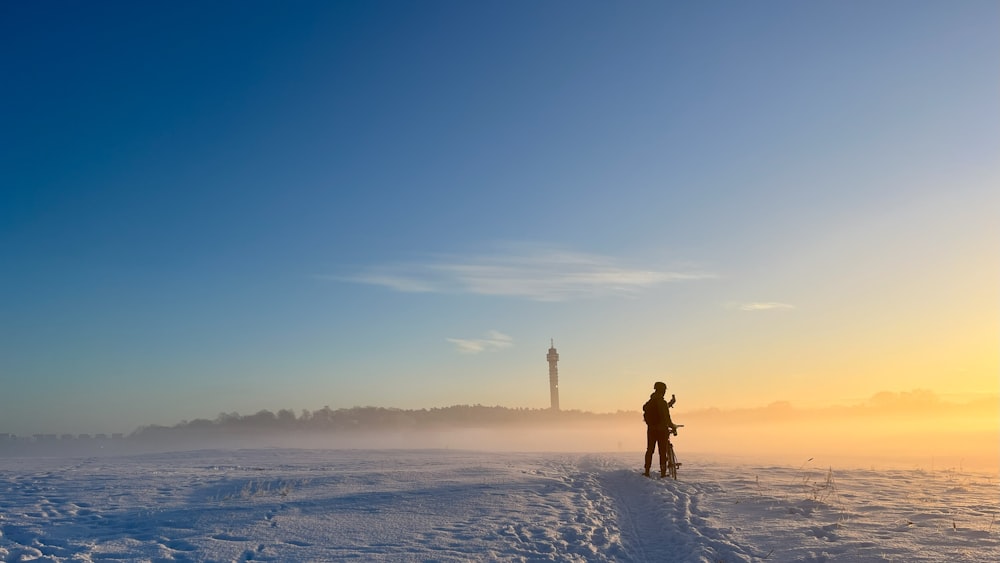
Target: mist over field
{"x": 914, "y": 429}
{"x": 898, "y": 430}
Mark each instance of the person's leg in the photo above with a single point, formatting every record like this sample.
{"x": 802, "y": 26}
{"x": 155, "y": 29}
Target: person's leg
{"x": 650, "y": 444}
{"x": 661, "y": 439}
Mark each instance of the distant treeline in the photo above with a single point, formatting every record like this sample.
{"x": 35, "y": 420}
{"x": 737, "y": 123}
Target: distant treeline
{"x": 376, "y": 419}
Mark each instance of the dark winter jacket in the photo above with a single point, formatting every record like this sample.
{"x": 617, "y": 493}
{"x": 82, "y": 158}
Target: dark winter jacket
{"x": 657, "y": 402}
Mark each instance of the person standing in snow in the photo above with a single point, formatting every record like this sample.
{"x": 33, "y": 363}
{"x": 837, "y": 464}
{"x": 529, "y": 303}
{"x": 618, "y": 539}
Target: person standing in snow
{"x": 656, "y": 414}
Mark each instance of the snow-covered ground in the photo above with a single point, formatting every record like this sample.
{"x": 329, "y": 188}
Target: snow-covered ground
{"x": 445, "y": 505}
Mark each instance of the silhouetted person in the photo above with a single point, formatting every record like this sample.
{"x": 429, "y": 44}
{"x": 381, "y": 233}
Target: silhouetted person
{"x": 656, "y": 413}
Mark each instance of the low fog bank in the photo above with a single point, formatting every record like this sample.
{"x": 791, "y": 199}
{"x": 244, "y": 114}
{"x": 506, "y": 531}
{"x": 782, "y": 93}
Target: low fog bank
{"x": 917, "y": 405}
{"x": 474, "y": 427}
{"x": 913, "y": 430}
{"x": 844, "y": 447}
{"x": 760, "y": 444}
{"x": 580, "y": 438}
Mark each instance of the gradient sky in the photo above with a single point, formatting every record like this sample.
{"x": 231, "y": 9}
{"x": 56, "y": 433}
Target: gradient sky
{"x": 235, "y": 206}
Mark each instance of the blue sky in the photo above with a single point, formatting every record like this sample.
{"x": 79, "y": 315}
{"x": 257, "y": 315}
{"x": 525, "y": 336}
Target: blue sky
{"x": 248, "y": 205}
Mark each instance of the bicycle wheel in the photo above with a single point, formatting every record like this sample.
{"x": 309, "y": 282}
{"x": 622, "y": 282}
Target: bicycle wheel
{"x": 671, "y": 462}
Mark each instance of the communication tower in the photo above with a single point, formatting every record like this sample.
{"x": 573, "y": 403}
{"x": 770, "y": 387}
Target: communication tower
{"x": 553, "y": 358}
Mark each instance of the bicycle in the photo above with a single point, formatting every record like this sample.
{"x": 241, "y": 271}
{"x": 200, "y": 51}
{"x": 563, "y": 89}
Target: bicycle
{"x": 672, "y": 463}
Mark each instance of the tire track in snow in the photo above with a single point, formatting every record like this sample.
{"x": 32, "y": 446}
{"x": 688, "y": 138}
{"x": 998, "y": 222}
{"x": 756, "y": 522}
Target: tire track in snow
{"x": 660, "y": 520}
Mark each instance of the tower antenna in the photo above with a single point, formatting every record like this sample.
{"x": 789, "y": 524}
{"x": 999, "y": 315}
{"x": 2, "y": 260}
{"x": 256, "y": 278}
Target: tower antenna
{"x": 553, "y": 358}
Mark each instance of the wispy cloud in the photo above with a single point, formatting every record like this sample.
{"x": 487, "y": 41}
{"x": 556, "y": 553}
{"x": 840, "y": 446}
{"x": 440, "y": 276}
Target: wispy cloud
{"x": 494, "y": 340}
{"x": 527, "y": 271}
{"x": 764, "y": 306}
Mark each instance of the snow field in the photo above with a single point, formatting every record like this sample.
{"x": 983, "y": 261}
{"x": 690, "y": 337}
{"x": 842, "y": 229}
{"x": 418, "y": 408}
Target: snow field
{"x": 814, "y": 514}
{"x": 443, "y": 505}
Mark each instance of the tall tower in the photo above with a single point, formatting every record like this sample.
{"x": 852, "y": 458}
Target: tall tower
{"x": 553, "y": 359}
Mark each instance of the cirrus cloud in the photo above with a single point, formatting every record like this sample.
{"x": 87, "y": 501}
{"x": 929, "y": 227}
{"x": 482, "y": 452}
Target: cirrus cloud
{"x": 494, "y": 340}
{"x": 765, "y": 306}
{"x": 527, "y": 271}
